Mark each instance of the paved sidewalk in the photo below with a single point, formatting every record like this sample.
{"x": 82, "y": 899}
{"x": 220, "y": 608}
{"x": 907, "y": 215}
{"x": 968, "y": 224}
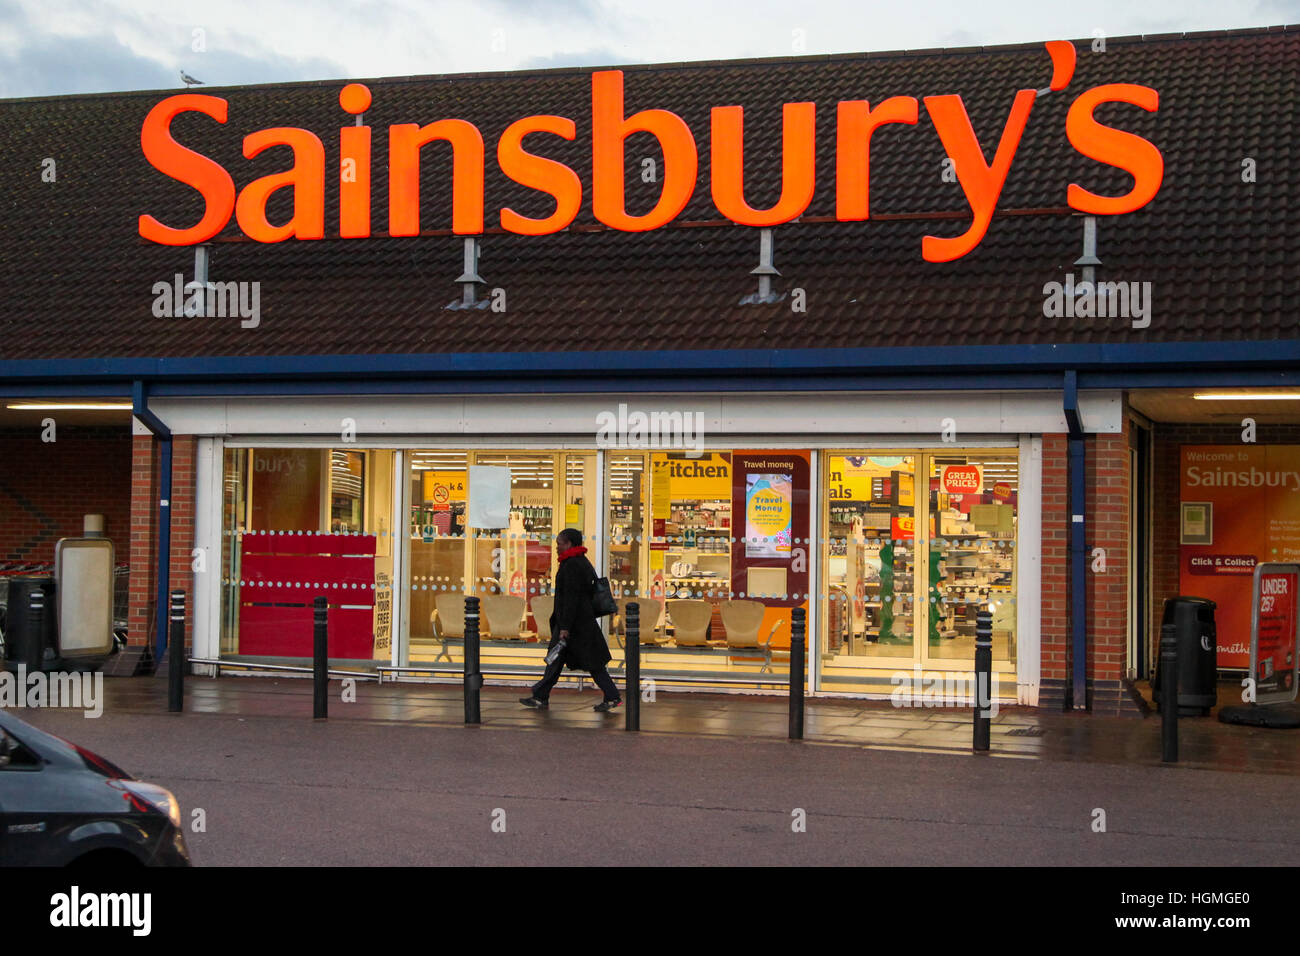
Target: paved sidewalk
{"x": 1016, "y": 732}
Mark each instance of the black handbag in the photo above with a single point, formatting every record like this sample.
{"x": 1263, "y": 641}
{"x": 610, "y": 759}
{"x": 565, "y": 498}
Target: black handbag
{"x": 602, "y": 598}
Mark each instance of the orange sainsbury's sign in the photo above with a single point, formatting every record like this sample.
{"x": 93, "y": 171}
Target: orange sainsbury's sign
{"x": 856, "y": 121}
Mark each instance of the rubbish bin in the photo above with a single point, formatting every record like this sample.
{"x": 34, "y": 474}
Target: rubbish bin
{"x": 23, "y": 645}
{"x": 1192, "y": 619}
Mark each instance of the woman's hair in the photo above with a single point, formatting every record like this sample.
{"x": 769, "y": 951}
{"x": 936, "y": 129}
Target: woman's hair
{"x": 571, "y": 535}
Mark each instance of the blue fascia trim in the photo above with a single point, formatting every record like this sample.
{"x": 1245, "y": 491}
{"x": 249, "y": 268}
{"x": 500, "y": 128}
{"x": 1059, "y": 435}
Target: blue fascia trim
{"x": 674, "y": 363}
{"x": 625, "y": 386}
{"x": 950, "y": 380}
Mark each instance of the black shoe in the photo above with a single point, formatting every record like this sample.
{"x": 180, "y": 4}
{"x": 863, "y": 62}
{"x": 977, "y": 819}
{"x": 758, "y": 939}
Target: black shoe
{"x": 534, "y": 703}
{"x": 605, "y": 706}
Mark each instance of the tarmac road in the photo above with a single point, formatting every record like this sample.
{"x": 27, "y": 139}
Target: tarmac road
{"x": 278, "y": 790}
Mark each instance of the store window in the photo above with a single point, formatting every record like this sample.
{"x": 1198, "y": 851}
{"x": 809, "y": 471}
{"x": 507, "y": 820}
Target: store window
{"x": 713, "y": 548}
{"x": 973, "y": 508}
{"x": 300, "y": 523}
{"x": 898, "y": 600}
{"x": 483, "y": 524}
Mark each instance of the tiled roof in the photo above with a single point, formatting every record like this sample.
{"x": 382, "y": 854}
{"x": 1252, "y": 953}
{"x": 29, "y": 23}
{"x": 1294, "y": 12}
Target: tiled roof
{"x": 1222, "y": 255}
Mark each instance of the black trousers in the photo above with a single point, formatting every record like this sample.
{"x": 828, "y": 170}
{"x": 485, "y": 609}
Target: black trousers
{"x": 542, "y": 689}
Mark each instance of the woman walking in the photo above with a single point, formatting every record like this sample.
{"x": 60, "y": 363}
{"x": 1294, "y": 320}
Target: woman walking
{"x": 576, "y": 639}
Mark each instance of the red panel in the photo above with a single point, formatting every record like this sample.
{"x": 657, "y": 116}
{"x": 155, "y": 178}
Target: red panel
{"x": 299, "y": 578}
{"x": 266, "y": 543}
{"x": 275, "y": 631}
{"x": 352, "y": 633}
{"x": 287, "y": 632}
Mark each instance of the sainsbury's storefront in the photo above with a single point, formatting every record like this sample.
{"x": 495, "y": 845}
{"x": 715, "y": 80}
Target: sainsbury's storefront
{"x": 844, "y": 334}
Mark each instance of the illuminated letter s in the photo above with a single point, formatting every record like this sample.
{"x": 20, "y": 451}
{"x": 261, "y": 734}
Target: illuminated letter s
{"x": 1114, "y": 147}
{"x": 194, "y": 169}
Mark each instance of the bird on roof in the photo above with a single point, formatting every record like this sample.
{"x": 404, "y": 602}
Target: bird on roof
{"x": 189, "y": 80}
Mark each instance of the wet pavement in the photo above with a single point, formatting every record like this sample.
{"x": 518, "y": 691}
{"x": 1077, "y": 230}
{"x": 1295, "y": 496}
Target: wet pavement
{"x": 1022, "y": 733}
{"x": 397, "y": 779}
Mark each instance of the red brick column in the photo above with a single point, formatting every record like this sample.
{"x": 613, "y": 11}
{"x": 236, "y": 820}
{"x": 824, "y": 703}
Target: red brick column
{"x": 1055, "y": 559}
{"x": 145, "y": 484}
{"x": 144, "y": 520}
{"x": 1108, "y": 483}
{"x": 1106, "y": 503}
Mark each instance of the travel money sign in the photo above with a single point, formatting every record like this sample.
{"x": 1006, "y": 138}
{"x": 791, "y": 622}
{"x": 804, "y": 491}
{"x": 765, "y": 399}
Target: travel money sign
{"x": 856, "y": 121}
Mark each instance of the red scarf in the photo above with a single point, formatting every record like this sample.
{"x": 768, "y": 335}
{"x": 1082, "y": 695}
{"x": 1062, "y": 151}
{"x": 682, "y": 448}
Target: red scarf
{"x": 572, "y": 552}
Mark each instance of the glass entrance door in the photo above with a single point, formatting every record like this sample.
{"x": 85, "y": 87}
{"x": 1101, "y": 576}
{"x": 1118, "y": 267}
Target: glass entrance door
{"x": 870, "y": 555}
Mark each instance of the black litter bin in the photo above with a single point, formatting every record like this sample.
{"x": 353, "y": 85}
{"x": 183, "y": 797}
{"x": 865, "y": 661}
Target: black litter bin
{"x": 23, "y": 643}
{"x": 1192, "y": 619}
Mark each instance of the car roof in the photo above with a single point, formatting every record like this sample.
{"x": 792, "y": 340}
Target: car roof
{"x": 52, "y": 748}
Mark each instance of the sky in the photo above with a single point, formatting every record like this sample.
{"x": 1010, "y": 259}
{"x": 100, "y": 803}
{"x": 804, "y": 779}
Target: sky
{"x": 54, "y": 47}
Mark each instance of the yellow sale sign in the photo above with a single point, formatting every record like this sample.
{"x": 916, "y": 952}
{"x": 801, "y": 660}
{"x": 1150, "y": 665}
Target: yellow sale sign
{"x": 444, "y": 487}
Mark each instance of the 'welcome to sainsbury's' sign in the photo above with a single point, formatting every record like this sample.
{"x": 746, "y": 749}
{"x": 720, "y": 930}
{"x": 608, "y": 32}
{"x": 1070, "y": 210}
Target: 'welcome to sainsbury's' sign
{"x": 856, "y": 121}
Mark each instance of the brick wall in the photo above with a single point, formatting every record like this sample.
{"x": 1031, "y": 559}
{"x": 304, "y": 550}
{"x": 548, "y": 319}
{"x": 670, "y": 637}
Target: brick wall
{"x": 1106, "y": 506}
{"x": 1108, "y": 482}
{"x": 1165, "y": 515}
{"x": 46, "y": 488}
{"x": 145, "y": 461}
{"x": 1055, "y": 559}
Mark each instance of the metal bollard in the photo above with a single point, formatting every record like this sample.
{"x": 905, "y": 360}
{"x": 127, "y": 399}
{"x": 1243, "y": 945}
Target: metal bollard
{"x": 632, "y": 666}
{"x": 983, "y": 679}
{"x": 176, "y": 655}
{"x": 1168, "y": 693}
{"x": 320, "y": 660}
{"x": 473, "y": 676}
{"x": 798, "y": 627}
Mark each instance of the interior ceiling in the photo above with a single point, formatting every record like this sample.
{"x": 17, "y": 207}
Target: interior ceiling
{"x": 1179, "y": 405}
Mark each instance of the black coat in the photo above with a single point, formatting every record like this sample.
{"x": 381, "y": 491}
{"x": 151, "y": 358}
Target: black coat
{"x": 586, "y": 648}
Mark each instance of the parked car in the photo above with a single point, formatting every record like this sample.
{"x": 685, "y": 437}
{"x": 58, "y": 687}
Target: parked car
{"x": 62, "y": 805}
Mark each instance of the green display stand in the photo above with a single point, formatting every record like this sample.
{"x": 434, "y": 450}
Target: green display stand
{"x": 936, "y": 594}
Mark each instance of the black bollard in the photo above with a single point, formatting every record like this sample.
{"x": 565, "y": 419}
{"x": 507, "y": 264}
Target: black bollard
{"x": 176, "y": 655}
{"x": 1169, "y": 693}
{"x": 473, "y": 677}
{"x": 798, "y": 627}
{"x": 983, "y": 679}
{"x": 320, "y": 660}
{"x": 632, "y": 665}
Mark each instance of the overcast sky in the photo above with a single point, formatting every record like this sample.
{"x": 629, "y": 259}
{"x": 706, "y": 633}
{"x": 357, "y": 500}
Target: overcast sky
{"x": 90, "y": 46}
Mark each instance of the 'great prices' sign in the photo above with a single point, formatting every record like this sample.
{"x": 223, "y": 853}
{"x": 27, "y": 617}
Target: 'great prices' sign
{"x": 961, "y": 479}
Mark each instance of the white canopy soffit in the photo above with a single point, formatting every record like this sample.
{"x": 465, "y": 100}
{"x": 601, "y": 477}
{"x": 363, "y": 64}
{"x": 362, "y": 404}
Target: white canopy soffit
{"x": 803, "y": 414}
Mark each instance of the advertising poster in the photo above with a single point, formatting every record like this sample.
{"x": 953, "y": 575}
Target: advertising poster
{"x": 1240, "y": 506}
{"x": 286, "y": 489}
{"x": 777, "y": 484}
{"x": 441, "y": 488}
{"x": 769, "y": 515}
{"x": 1274, "y": 649}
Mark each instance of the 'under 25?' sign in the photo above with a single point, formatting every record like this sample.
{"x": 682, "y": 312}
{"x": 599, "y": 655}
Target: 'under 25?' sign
{"x": 856, "y": 123}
